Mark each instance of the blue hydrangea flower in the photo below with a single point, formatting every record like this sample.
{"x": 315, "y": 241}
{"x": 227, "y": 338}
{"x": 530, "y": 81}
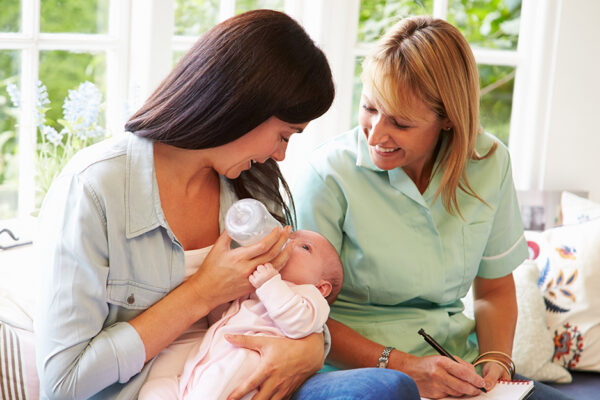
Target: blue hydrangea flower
{"x": 52, "y": 135}
{"x": 41, "y": 100}
{"x": 14, "y": 93}
{"x": 82, "y": 108}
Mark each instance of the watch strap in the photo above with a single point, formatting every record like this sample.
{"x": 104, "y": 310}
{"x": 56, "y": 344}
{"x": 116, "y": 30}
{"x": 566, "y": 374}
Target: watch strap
{"x": 384, "y": 358}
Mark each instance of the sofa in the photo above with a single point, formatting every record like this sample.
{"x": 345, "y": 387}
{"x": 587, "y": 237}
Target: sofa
{"x": 558, "y": 293}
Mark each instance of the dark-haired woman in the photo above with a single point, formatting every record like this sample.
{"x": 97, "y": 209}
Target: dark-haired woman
{"x": 132, "y": 244}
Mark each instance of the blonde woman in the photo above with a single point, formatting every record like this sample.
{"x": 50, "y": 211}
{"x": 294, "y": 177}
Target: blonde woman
{"x": 420, "y": 204}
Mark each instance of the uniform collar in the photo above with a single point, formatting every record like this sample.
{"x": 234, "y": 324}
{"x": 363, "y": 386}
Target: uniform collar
{"x": 397, "y": 177}
{"x": 363, "y": 158}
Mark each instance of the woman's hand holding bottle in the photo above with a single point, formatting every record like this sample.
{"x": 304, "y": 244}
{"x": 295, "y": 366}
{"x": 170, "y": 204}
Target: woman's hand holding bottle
{"x": 224, "y": 273}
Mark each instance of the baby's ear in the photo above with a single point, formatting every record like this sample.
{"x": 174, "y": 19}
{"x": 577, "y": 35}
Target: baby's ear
{"x": 324, "y": 287}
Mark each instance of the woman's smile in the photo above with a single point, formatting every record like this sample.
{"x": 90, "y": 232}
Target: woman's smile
{"x": 381, "y": 149}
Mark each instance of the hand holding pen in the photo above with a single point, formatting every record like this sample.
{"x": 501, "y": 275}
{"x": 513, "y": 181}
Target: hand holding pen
{"x": 438, "y": 347}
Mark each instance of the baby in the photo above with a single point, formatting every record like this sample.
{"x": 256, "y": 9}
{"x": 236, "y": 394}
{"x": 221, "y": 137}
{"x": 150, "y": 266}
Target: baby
{"x": 293, "y": 302}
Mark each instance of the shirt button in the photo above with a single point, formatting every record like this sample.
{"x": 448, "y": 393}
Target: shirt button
{"x": 131, "y": 299}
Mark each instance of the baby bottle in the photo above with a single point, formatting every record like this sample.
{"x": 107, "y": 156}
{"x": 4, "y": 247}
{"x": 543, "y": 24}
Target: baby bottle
{"x": 248, "y": 220}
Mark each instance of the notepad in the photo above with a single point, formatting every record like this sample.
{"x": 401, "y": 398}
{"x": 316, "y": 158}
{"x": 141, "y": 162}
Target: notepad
{"x": 504, "y": 390}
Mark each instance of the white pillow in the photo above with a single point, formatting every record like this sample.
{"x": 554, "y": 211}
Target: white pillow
{"x": 19, "y": 286}
{"x": 533, "y": 345}
{"x": 576, "y": 209}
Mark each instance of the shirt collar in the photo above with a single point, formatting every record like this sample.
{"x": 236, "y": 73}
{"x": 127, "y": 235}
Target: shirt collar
{"x": 363, "y": 158}
{"x": 397, "y": 177}
{"x": 142, "y": 199}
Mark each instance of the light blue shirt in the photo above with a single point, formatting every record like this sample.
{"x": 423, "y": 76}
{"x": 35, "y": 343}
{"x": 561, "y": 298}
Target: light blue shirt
{"x": 107, "y": 254}
{"x": 407, "y": 261}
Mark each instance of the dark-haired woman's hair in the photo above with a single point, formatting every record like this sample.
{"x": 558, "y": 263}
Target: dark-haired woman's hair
{"x": 240, "y": 73}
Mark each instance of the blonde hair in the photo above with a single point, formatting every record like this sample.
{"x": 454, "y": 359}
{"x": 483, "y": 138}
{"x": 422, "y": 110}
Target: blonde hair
{"x": 429, "y": 59}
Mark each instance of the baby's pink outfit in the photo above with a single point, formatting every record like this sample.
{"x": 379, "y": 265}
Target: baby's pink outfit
{"x": 214, "y": 367}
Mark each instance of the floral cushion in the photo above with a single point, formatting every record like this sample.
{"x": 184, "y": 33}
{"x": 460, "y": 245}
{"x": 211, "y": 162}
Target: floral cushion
{"x": 533, "y": 346}
{"x": 568, "y": 259}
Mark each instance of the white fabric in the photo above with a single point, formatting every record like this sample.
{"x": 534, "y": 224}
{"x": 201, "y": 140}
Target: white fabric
{"x": 19, "y": 286}
{"x": 172, "y": 359}
{"x": 576, "y": 209}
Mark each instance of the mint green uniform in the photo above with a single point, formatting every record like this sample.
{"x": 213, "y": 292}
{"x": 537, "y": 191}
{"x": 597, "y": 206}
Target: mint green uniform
{"x": 408, "y": 262}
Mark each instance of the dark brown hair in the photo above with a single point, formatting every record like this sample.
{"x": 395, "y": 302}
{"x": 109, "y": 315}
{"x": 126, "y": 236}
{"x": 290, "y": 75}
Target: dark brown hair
{"x": 240, "y": 73}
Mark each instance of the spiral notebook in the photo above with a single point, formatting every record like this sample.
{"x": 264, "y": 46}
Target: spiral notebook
{"x": 504, "y": 390}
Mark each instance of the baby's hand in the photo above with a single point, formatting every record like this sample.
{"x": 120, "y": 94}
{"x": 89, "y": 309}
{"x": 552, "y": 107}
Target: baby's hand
{"x": 261, "y": 274}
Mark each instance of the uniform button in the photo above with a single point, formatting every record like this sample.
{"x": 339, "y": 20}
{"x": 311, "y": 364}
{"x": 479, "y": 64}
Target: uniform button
{"x": 131, "y": 299}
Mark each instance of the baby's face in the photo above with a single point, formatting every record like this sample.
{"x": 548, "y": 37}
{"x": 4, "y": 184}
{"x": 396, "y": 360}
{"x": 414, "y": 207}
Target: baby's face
{"x": 306, "y": 263}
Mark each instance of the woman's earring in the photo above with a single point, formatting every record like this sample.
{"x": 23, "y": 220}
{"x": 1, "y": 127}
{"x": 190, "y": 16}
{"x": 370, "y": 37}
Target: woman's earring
{"x": 447, "y": 129}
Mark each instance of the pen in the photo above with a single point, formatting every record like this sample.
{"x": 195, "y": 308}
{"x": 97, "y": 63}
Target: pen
{"x": 438, "y": 347}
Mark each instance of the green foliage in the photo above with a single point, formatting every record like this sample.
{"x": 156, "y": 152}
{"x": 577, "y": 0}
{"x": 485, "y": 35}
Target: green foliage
{"x": 89, "y": 16}
{"x": 9, "y": 68}
{"x": 81, "y": 126}
{"x": 63, "y": 70}
{"x": 376, "y": 16}
{"x": 247, "y": 5}
{"x": 10, "y": 16}
{"x": 194, "y": 17}
{"x": 487, "y": 23}
{"x": 497, "y": 83}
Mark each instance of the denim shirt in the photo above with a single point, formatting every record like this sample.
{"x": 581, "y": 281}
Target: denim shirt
{"x": 107, "y": 254}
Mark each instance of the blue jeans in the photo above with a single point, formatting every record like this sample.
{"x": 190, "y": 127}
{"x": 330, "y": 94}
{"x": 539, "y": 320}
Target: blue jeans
{"x": 384, "y": 384}
{"x": 545, "y": 392}
{"x": 359, "y": 384}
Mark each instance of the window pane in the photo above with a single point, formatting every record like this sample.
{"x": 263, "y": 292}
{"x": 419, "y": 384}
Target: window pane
{"x": 356, "y": 90}
{"x": 177, "y": 55}
{"x": 72, "y": 117}
{"x": 376, "y": 16}
{"x": 247, "y": 5}
{"x": 487, "y": 23}
{"x": 89, "y": 16}
{"x": 9, "y": 94}
{"x": 497, "y": 85}
{"x": 194, "y": 17}
{"x": 10, "y": 17}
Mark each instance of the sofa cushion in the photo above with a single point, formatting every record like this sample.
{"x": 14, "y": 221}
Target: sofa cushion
{"x": 576, "y": 209}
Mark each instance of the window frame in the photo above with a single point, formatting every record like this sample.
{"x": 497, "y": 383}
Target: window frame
{"x": 141, "y": 33}
{"x": 30, "y": 42}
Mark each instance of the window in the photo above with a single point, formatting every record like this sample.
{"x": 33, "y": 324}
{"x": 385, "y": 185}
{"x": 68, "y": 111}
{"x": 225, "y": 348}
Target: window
{"x": 490, "y": 26}
{"x": 194, "y": 17}
{"x": 60, "y": 44}
{"x": 120, "y": 46}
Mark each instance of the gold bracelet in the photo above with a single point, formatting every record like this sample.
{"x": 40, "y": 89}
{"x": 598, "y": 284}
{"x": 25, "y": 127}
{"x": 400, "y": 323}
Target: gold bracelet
{"x": 508, "y": 361}
{"x": 496, "y": 362}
